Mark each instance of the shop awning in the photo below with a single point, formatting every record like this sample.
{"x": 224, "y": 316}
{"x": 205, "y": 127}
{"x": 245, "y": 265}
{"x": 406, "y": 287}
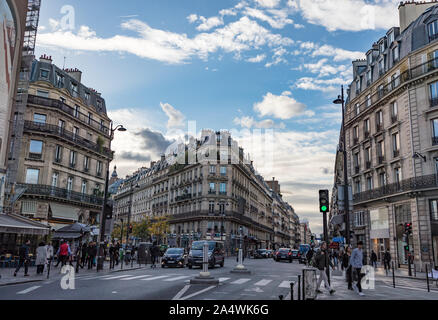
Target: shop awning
{"x": 12, "y": 223}
{"x": 64, "y": 212}
{"x": 66, "y": 235}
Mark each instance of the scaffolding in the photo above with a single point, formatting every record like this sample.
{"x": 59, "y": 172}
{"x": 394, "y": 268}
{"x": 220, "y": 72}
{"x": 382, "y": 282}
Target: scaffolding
{"x": 30, "y": 31}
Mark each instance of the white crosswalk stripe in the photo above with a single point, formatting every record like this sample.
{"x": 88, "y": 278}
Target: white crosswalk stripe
{"x": 241, "y": 281}
{"x": 28, "y": 290}
{"x": 223, "y": 279}
{"x": 137, "y": 277}
{"x": 263, "y": 282}
{"x": 154, "y": 278}
{"x": 117, "y": 277}
{"x": 285, "y": 284}
{"x": 177, "y": 278}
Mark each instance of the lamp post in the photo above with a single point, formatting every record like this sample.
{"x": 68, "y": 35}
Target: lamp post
{"x": 105, "y": 199}
{"x": 222, "y": 210}
{"x": 128, "y": 225}
{"x": 340, "y": 100}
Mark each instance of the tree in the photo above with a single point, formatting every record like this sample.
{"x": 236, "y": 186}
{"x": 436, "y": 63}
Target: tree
{"x": 159, "y": 227}
{"x": 116, "y": 231}
{"x": 141, "y": 229}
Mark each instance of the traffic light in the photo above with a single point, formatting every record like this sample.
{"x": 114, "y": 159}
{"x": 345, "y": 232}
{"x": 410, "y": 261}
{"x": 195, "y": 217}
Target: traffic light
{"x": 406, "y": 247}
{"x": 408, "y": 228}
{"x": 130, "y": 228}
{"x": 108, "y": 211}
{"x": 323, "y": 201}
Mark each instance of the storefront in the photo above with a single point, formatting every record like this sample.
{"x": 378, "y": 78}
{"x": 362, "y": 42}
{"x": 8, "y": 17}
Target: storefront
{"x": 379, "y": 231}
{"x": 403, "y": 215}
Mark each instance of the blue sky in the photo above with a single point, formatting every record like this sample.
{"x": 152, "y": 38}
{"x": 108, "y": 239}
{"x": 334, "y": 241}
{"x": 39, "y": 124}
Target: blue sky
{"x": 237, "y": 65}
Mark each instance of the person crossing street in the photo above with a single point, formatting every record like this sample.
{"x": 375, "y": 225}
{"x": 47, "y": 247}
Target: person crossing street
{"x": 356, "y": 262}
{"x": 322, "y": 263}
{"x": 23, "y": 253}
{"x": 387, "y": 261}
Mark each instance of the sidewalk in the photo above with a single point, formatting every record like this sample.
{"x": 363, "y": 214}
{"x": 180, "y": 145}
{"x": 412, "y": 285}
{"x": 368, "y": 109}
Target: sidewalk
{"x": 7, "y": 274}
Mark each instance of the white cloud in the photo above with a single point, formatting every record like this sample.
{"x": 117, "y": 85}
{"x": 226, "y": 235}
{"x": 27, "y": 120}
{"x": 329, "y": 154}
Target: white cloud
{"x": 349, "y": 15}
{"x": 278, "y": 21}
{"x": 323, "y": 69}
{"x": 282, "y": 106}
{"x": 268, "y": 3}
{"x": 324, "y": 85}
{"x": 192, "y": 18}
{"x": 277, "y": 57}
{"x": 337, "y": 53}
{"x": 250, "y": 122}
{"x": 241, "y": 35}
{"x": 257, "y": 58}
{"x": 176, "y": 118}
{"x": 209, "y": 23}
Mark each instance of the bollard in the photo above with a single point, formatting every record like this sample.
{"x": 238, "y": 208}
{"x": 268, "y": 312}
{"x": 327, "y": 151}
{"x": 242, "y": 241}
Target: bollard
{"x": 427, "y": 278}
{"x": 415, "y": 270}
{"x": 299, "y": 287}
{"x": 303, "y": 287}
{"x": 393, "y": 274}
{"x": 280, "y": 297}
{"x": 292, "y": 291}
{"x": 48, "y": 268}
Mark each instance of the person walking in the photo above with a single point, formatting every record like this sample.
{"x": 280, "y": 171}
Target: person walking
{"x": 387, "y": 261}
{"x": 155, "y": 252}
{"x": 356, "y": 262}
{"x": 63, "y": 253}
{"x": 92, "y": 252}
{"x": 322, "y": 263}
{"x": 111, "y": 254}
{"x": 50, "y": 252}
{"x": 373, "y": 259}
{"x": 23, "y": 254}
{"x": 84, "y": 251}
{"x": 346, "y": 265}
{"x": 41, "y": 257}
{"x": 309, "y": 256}
{"x": 116, "y": 253}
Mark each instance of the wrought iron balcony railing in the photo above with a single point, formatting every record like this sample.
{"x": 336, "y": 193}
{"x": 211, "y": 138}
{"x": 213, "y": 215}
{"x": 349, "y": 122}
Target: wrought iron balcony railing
{"x": 411, "y": 184}
{"x": 49, "y": 191}
{"x": 67, "y": 135}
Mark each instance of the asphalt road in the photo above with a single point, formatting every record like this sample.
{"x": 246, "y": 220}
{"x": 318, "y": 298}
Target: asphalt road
{"x": 268, "y": 280}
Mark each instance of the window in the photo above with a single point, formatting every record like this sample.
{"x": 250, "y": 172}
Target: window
{"x": 433, "y": 88}
{"x": 357, "y": 86}
{"x": 44, "y": 74}
{"x": 58, "y": 153}
{"x": 40, "y": 118}
{"x": 357, "y": 186}
{"x": 395, "y": 81}
{"x": 36, "y": 147}
{"x": 211, "y": 207}
{"x": 74, "y": 90}
{"x": 434, "y": 210}
{"x": 369, "y": 183}
{"x": 72, "y": 159}
{"x": 59, "y": 80}
{"x": 382, "y": 66}
{"x": 41, "y": 93}
{"x": 32, "y": 176}
{"x": 433, "y": 30}
{"x": 397, "y": 175}
{"x": 382, "y": 46}
{"x": 99, "y": 104}
{"x": 357, "y": 108}
{"x": 77, "y": 111}
{"x": 368, "y": 100}
{"x": 366, "y": 127}
{"x": 90, "y": 117}
{"x": 223, "y": 188}
{"x": 223, "y": 171}
{"x": 382, "y": 179}
{"x": 368, "y": 77}
{"x": 367, "y": 156}
{"x": 212, "y": 187}
{"x": 370, "y": 58}
{"x": 395, "y": 54}
{"x": 212, "y": 169}
{"x": 70, "y": 184}
{"x": 99, "y": 168}
{"x": 391, "y": 38}
{"x": 61, "y": 125}
{"x": 84, "y": 187}
{"x": 379, "y": 120}
{"x": 75, "y": 132}
{"x": 381, "y": 148}
{"x": 87, "y": 96}
{"x": 356, "y": 132}
{"x": 395, "y": 144}
{"x": 359, "y": 218}
{"x": 55, "y": 177}
{"x": 86, "y": 163}
{"x": 394, "y": 109}
{"x": 356, "y": 159}
{"x": 102, "y": 125}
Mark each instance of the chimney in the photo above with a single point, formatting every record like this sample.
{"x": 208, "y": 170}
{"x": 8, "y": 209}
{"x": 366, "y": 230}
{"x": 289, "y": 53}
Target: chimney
{"x": 75, "y": 74}
{"x": 46, "y": 59}
{"x": 409, "y": 11}
{"x": 152, "y": 163}
{"x": 163, "y": 157}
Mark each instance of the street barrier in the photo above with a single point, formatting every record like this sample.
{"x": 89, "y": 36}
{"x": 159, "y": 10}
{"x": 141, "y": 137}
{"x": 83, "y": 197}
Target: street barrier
{"x": 309, "y": 283}
{"x": 292, "y": 291}
{"x": 299, "y": 287}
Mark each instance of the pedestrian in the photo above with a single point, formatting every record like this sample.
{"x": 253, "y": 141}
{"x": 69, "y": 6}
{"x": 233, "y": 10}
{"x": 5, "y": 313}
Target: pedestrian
{"x": 23, "y": 254}
{"x": 111, "y": 254}
{"x": 373, "y": 259}
{"x": 50, "y": 252}
{"x": 92, "y": 252}
{"x": 335, "y": 258}
{"x": 309, "y": 256}
{"x": 356, "y": 262}
{"x": 387, "y": 261}
{"x": 41, "y": 257}
{"x": 84, "y": 252}
{"x": 346, "y": 265}
{"x": 155, "y": 252}
{"x": 63, "y": 253}
{"x": 322, "y": 263}
{"x": 116, "y": 253}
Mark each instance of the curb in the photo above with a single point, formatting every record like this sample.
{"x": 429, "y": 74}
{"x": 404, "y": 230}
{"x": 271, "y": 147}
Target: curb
{"x": 19, "y": 282}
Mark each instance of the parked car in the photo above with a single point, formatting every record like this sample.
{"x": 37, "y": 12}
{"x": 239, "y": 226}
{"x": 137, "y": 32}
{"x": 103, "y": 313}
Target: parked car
{"x": 216, "y": 254}
{"x": 295, "y": 254}
{"x": 283, "y": 254}
{"x": 261, "y": 254}
{"x": 270, "y": 253}
{"x": 174, "y": 257}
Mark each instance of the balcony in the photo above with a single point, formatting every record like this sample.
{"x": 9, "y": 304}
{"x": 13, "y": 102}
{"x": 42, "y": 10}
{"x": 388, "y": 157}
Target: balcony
{"x": 366, "y": 134}
{"x": 211, "y": 192}
{"x": 355, "y": 141}
{"x": 433, "y": 102}
{"x": 54, "y": 192}
{"x": 434, "y": 141}
{"x": 66, "y": 135}
{"x": 368, "y": 164}
{"x": 356, "y": 169}
{"x": 394, "y": 119}
{"x": 381, "y": 159}
{"x": 433, "y": 37}
{"x": 57, "y": 104}
{"x": 35, "y": 156}
{"x": 183, "y": 197}
{"x": 396, "y": 153}
{"x": 411, "y": 184}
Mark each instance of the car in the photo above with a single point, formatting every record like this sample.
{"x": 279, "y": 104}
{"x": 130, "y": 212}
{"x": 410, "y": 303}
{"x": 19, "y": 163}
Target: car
{"x": 283, "y": 254}
{"x": 295, "y": 254}
{"x": 261, "y": 254}
{"x": 216, "y": 254}
{"x": 174, "y": 257}
{"x": 270, "y": 253}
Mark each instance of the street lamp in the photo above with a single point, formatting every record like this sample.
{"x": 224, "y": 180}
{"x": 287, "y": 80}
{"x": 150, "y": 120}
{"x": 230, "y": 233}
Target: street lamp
{"x": 340, "y": 100}
{"x": 223, "y": 214}
{"x": 129, "y": 211}
{"x": 105, "y": 199}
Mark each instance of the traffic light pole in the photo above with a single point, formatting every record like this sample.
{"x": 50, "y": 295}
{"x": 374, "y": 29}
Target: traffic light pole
{"x": 409, "y": 255}
{"x": 344, "y": 151}
{"x": 324, "y": 215}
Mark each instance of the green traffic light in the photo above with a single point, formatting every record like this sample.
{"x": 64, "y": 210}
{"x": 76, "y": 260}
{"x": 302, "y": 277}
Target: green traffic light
{"x": 324, "y": 208}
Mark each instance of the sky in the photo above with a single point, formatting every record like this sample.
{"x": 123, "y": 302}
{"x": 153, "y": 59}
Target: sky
{"x": 266, "y": 70}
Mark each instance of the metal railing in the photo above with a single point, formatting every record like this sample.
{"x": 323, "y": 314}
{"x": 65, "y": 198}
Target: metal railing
{"x": 411, "y": 184}
{"x": 55, "y": 192}
{"x": 58, "y": 104}
{"x": 67, "y": 135}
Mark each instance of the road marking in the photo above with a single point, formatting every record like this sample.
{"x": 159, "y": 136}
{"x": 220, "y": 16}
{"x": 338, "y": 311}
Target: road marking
{"x": 411, "y": 288}
{"x": 181, "y": 292}
{"x": 93, "y": 277}
{"x": 196, "y": 293}
{"x": 118, "y": 277}
{"x": 177, "y": 278}
{"x": 223, "y": 279}
{"x": 28, "y": 290}
{"x": 263, "y": 282}
{"x": 154, "y": 278}
{"x": 285, "y": 284}
{"x": 137, "y": 277}
{"x": 240, "y": 281}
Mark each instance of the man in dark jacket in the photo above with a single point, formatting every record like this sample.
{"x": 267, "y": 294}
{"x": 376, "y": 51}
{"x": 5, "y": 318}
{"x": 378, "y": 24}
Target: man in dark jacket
{"x": 111, "y": 255}
{"x": 309, "y": 256}
{"x": 23, "y": 253}
{"x": 92, "y": 252}
{"x": 373, "y": 259}
{"x": 322, "y": 262}
{"x": 155, "y": 252}
{"x": 387, "y": 260}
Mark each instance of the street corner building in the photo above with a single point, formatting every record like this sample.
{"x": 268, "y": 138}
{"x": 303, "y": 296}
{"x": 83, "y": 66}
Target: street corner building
{"x": 215, "y": 196}
{"x": 391, "y": 127}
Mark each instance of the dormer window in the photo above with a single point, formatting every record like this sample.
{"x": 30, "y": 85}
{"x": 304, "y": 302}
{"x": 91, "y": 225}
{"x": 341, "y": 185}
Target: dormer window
{"x": 44, "y": 74}
{"x": 74, "y": 90}
{"x": 368, "y": 77}
{"x": 59, "y": 80}
{"x": 369, "y": 58}
{"x": 390, "y": 38}
{"x": 87, "y": 96}
{"x": 381, "y": 67}
{"x": 395, "y": 54}
{"x": 357, "y": 86}
{"x": 382, "y": 46}
{"x": 433, "y": 30}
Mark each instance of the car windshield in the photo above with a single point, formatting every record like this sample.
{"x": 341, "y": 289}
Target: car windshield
{"x": 198, "y": 245}
{"x": 175, "y": 251}
{"x": 261, "y": 250}
{"x": 284, "y": 250}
